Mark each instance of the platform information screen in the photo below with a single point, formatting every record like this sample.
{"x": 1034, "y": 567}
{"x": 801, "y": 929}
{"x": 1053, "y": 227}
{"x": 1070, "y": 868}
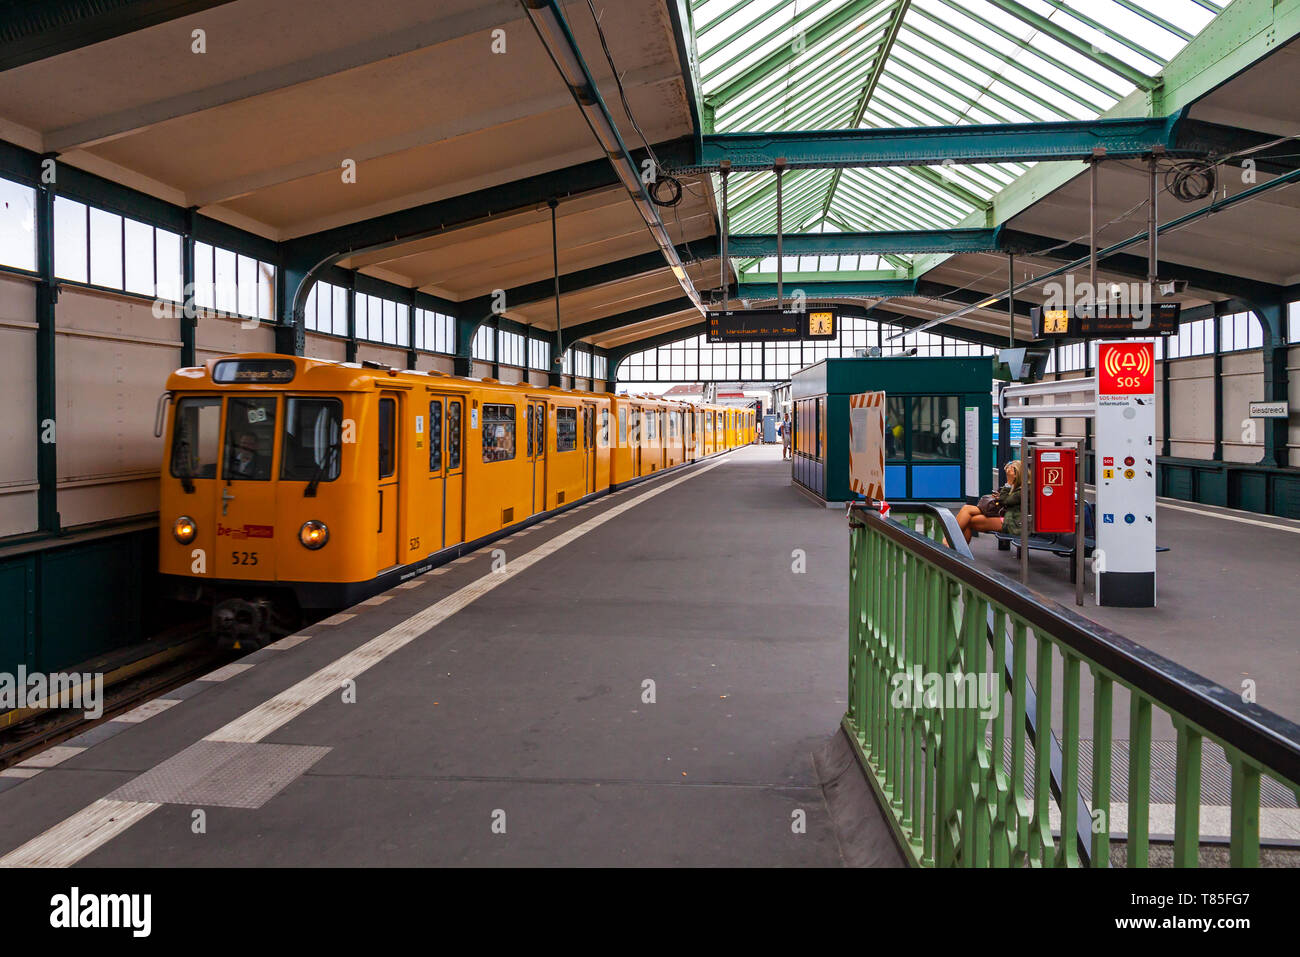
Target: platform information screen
{"x": 1115, "y": 322}
{"x": 774, "y": 325}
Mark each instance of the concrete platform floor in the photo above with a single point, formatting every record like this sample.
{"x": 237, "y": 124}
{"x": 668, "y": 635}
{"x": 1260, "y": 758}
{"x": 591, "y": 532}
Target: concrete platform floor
{"x": 644, "y": 683}
{"x": 1227, "y": 593}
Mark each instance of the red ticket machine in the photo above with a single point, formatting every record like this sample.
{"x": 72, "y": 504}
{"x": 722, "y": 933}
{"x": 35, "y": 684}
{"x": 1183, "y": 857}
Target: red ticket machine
{"x": 1054, "y": 491}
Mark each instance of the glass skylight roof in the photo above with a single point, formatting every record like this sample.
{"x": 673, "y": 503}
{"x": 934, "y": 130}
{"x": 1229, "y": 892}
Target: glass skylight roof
{"x": 769, "y": 65}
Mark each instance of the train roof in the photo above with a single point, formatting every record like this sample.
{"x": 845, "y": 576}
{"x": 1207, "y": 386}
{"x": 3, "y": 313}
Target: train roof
{"x": 270, "y": 370}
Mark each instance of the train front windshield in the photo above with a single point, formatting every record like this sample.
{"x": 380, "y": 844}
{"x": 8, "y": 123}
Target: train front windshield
{"x": 246, "y": 450}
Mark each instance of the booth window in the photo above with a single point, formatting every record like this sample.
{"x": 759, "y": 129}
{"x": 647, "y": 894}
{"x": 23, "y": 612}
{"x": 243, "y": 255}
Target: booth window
{"x": 936, "y": 430}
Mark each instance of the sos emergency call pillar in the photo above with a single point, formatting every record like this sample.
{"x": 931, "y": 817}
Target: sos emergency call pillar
{"x": 1125, "y": 556}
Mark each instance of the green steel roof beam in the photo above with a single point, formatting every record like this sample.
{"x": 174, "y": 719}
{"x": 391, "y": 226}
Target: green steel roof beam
{"x": 1068, "y": 39}
{"x": 974, "y": 172}
{"x": 795, "y": 279}
{"x": 898, "y": 262}
{"x": 867, "y": 243}
{"x": 864, "y": 289}
{"x": 785, "y": 53}
{"x": 1058, "y": 140}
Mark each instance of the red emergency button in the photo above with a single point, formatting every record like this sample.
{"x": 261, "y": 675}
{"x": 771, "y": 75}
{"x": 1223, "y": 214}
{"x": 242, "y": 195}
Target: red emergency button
{"x": 1128, "y": 460}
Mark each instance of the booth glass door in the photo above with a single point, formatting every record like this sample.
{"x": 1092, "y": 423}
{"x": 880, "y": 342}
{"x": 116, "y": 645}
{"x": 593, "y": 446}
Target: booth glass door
{"x": 924, "y": 447}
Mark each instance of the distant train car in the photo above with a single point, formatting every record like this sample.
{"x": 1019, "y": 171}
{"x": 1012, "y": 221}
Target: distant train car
{"x": 293, "y": 484}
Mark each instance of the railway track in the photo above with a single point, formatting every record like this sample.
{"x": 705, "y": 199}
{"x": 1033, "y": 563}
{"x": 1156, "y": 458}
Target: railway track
{"x": 188, "y": 653}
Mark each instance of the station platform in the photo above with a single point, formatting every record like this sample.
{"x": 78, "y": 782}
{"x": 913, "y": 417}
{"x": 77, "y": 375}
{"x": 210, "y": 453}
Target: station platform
{"x": 642, "y": 680}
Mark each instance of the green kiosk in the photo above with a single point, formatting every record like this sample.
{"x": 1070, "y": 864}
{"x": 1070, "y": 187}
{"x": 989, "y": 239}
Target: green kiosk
{"x": 938, "y": 426}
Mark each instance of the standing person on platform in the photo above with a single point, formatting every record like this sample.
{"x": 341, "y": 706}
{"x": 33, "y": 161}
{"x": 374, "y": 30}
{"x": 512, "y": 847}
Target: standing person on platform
{"x": 785, "y": 437}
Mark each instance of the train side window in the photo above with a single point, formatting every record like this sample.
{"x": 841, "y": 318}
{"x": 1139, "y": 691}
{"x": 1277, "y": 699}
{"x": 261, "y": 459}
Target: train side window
{"x": 195, "y": 442}
{"x": 541, "y": 428}
{"x": 250, "y": 438}
{"x": 453, "y": 434}
{"x": 622, "y": 426}
{"x": 604, "y": 428}
{"x": 387, "y": 437}
{"x": 312, "y": 440}
{"x": 566, "y": 429}
{"x": 531, "y": 429}
{"x": 435, "y": 435}
{"x": 498, "y": 433}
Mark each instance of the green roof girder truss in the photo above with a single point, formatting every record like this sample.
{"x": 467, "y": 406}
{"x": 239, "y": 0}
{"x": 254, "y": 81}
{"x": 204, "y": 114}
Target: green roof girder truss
{"x": 1056, "y": 140}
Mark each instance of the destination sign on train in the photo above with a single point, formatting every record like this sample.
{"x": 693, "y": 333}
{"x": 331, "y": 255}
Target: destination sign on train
{"x": 756, "y": 325}
{"x": 1110, "y": 322}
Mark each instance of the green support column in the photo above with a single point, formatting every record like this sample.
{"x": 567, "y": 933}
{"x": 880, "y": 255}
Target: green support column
{"x": 1166, "y": 414}
{"x": 496, "y": 347}
{"x": 291, "y": 332}
{"x": 189, "y": 312}
{"x": 412, "y": 356}
{"x": 350, "y": 348}
{"x": 1217, "y": 453}
{"x": 47, "y": 455}
{"x": 463, "y": 361}
{"x": 1272, "y": 319}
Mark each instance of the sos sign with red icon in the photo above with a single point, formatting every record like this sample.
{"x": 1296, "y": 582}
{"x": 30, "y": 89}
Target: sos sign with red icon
{"x": 1126, "y": 368}
{"x": 1124, "y": 436}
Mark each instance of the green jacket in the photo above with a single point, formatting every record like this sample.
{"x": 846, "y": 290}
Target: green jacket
{"x": 1010, "y": 499}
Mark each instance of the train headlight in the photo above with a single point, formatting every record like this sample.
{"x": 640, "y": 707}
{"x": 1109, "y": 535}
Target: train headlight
{"x": 184, "y": 530}
{"x": 313, "y": 534}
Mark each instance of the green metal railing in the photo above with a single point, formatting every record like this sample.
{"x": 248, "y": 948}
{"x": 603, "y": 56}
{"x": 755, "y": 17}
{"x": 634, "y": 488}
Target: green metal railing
{"x": 990, "y": 784}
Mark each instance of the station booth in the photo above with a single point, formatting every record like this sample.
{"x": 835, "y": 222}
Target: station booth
{"x": 938, "y": 426}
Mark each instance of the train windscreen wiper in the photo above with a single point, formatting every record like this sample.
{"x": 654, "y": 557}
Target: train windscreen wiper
{"x": 321, "y": 469}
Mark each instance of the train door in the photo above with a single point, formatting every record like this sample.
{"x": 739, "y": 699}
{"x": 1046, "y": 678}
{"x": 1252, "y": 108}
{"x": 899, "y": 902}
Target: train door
{"x": 661, "y": 430}
{"x": 589, "y": 446}
{"x": 537, "y": 451}
{"x": 446, "y": 472}
{"x": 389, "y": 480}
{"x": 634, "y": 440}
{"x": 245, "y": 494}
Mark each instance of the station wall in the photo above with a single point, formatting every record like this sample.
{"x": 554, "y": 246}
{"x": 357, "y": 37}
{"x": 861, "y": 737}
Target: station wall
{"x": 18, "y": 425}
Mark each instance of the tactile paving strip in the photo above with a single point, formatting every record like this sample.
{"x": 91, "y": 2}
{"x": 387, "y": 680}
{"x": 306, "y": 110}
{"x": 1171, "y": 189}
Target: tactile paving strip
{"x": 222, "y": 774}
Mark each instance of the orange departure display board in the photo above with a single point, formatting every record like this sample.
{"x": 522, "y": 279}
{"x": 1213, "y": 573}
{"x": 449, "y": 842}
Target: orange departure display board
{"x": 1114, "y": 322}
{"x": 758, "y": 325}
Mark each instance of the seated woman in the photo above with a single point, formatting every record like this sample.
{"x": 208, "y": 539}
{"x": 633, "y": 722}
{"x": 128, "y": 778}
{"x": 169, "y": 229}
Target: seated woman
{"x": 971, "y": 519}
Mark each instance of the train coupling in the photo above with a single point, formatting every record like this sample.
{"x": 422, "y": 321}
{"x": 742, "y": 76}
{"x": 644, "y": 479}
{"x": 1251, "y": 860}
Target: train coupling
{"x": 242, "y": 624}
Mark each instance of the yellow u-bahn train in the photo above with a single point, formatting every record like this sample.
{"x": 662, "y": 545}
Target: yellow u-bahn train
{"x": 291, "y": 484}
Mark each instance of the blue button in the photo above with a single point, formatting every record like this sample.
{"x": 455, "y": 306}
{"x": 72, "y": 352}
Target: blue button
{"x": 1130, "y": 518}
